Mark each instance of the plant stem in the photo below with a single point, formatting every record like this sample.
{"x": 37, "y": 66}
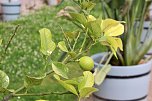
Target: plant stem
{"x": 43, "y": 94}
{"x": 18, "y": 90}
{"x": 109, "y": 59}
{"x": 50, "y": 72}
{"x": 84, "y": 41}
{"x": 65, "y": 59}
{"x": 66, "y": 38}
{"x": 11, "y": 38}
{"x": 46, "y": 63}
{"x": 76, "y": 40}
{"x": 102, "y": 59}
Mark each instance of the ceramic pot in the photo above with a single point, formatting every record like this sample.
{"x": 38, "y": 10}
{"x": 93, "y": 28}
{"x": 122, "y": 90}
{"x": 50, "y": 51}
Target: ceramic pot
{"x": 10, "y": 10}
{"x": 150, "y": 11}
{"x": 53, "y": 2}
{"x": 124, "y": 83}
{"x": 147, "y": 33}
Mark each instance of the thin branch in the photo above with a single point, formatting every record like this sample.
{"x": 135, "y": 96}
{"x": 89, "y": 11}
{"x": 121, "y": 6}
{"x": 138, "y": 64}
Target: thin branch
{"x": 84, "y": 41}
{"x": 11, "y": 38}
{"x": 76, "y": 40}
{"x": 50, "y": 72}
{"x": 66, "y": 38}
{"x": 43, "y": 94}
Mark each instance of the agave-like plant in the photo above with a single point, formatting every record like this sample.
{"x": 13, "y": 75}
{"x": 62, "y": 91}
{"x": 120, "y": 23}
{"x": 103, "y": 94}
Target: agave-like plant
{"x": 133, "y": 12}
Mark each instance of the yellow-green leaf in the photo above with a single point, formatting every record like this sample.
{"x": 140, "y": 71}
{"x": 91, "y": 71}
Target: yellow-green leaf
{"x": 94, "y": 28}
{"x": 62, "y": 46}
{"x": 78, "y": 18}
{"x": 47, "y": 45}
{"x": 60, "y": 69}
{"x": 112, "y": 42}
{"x": 71, "y": 35}
{"x": 87, "y": 81}
{"x": 85, "y": 92}
{"x": 112, "y": 27}
{"x": 75, "y": 81}
{"x": 119, "y": 43}
{"x": 90, "y": 18}
{"x": 101, "y": 74}
{"x": 87, "y": 5}
{"x": 1, "y": 41}
{"x": 32, "y": 81}
{"x": 4, "y": 80}
{"x": 67, "y": 86}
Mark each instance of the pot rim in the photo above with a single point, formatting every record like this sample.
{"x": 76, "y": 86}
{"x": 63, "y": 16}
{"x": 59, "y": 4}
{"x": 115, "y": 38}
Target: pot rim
{"x": 101, "y": 54}
{"x": 125, "y": 70}
{"x": 7, "y": 3}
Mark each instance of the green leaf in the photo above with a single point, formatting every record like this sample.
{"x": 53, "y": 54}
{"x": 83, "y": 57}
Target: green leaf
{"x": 32, "y": 81}
{"x": 1, "y": 42}
{"x": 85, "y": 92}
{"x": 80, "y": 18}
{"x": 60, "y": 69}
{"x": 101, "y": 74}
{"x": 94, "y": 28}
{"x": 112, "y": 42}
{"x": 75, "y": 81}
{"x": 68, "y": 87}
{"x": 71, "y": 35}
{"x": 62, "y": 46}
{"x": 4, "y": 80}
{"x": 87, "y": 5}
{"x": 47, "y": 45}
{"x": 87, "y": 81}
{"x": 112, "y": 27}
{"x": 72, "y": 54}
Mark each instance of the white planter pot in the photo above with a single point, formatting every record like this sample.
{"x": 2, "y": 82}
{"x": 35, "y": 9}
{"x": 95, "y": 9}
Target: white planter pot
{"x": 10, "y": 10}
{"x": 144, "y": 33}
{"x": 124, "y": 83}
{"x": 52, "y": 2}
{"x": 150, "y": 11}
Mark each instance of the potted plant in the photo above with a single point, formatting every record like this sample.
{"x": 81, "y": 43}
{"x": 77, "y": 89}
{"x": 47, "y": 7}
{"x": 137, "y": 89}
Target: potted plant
{"x": 10, "y": 9}
{"x": 54, "y": 2}
{"x": 129, "y": 77}
{"x": 75, "y": 44}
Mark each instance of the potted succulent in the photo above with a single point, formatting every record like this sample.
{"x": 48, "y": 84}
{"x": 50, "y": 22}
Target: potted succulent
{"x": 129, "y": 77}
{"x": 10, "y": 9}
{"x": 75, "y": 44}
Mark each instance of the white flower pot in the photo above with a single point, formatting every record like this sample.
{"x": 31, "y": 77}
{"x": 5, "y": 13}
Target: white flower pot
{"x": 124, "y": 83}
{"x": 10, "y": 10}
{"x": 145, "y": 35}
{"x": 150, "y": 11}
{"x": 52, "y": 2}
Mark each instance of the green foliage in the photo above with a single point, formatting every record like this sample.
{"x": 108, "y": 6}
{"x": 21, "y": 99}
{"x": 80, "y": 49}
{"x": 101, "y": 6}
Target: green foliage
{"x": 134, "y": 12}
{"x": 81, "y": 86}
{"x": 60, "y": 69}
{"x": 62, "y": 46}
{"x": 4, "y": 81}
{"x": 47, "y": 45}
{"x": 101, "y": 74}
{"x": 32, "y": 81}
